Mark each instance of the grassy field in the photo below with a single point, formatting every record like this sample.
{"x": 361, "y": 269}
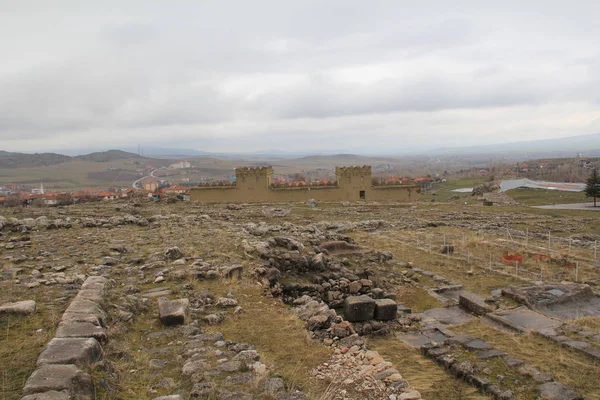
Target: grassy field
{"x": 444, "y": 191}
{"x": 74, "y": 175}
{"x": 542, "y": 197}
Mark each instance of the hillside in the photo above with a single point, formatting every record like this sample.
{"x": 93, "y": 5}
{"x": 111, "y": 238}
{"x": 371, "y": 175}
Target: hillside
{"x": 60, "y": 172}
{"x": 106, "y": 156}
{"x": 22, "y": 160}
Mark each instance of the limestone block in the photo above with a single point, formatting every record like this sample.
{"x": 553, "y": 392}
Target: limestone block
{"x": 474, "y": 304}
{"x": 50, "y": 395}
{"x": 25, "y": 307}
{"x": 385, "y": 309}
{"x": 173, "y": 312}
{"x": 59, "y": 378}
{"x": 359, "y": 308}
{"x": 76, "y": 329}
{"x": 78, "y": 351}
{"x": 557, "y": 391}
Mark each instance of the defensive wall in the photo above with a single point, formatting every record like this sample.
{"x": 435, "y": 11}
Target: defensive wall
{"x": 254, "y": 185}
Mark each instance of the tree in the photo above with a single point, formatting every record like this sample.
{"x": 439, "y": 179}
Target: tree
{"x": 593, "y": 185}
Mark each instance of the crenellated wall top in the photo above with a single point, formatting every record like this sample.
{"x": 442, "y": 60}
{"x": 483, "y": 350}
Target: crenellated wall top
{"x": 253, "y": 171}
{"x": 353, "y": 170}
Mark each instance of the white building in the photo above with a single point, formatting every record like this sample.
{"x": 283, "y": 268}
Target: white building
{"x": 180, "y": 165}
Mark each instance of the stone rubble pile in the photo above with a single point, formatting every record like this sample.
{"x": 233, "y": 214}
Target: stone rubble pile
{"x": 362, "y": 371}
{"x": 364, "y": 374}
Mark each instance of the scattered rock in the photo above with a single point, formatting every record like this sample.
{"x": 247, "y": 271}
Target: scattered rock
{"x": 25, "y": 307}
{"x": 173, "y": 253}
{"x": 173, "y": 312}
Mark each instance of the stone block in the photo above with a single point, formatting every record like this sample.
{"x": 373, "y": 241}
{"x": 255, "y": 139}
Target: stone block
{"x": 25, "y": 307}
{"x": 474, "y": 304}
{"x": 54, "y": 377}
{"x": 385, "y": 309}
{"x": 50, "y": 395}
{"x": 78, "y": 351}
{"x": 95, "y": 280}
{"x": 173, "y": 312}
{"x": 83, "y": 309}
{"x": 359, "y": 308}
{"x": 557, "y": 391}
{"x": 75, "y": 329}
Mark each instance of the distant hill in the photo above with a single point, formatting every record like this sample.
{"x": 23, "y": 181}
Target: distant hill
{"x": 107, "y": 156}
{"x": 22, "y": 160}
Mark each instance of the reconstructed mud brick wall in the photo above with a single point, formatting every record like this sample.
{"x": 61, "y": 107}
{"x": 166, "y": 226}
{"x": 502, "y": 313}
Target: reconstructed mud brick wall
{"x": 253, "y": 185}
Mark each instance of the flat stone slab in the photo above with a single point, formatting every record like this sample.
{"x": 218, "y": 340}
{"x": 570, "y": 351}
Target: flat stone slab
{"x": 564, "y": 301}
{"x": 53, "y": 377}
{"x": 491, "y": 354}
{"x": 152, "y": 295}
{"x": 81, "y": 330}
{"x": 449, "y": 315}
{"x": 415, "y": 340}
{"x": 423, "y": 337}
{"x": 359, "y": 308}
{"x": 528, "y": 319}
{"x": 51, "y": 395}
{"x": 173, "y": 312}
{"x": 78, "y": 351}
{"x": 25, "y": 307}
{"x": 477, "y": 344}
{"x": 449, "y": 292}
{"x": 557, "y": 391}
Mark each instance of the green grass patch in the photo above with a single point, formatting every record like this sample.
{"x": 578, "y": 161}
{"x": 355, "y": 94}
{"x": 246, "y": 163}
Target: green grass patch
{"x": 542, "y": 197}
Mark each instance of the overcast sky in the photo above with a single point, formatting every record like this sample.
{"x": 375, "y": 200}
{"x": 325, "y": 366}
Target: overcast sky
{"x": 296, "y": 75}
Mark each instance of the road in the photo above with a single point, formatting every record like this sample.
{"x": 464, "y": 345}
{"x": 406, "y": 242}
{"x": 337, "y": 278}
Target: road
{"x": 134, "y": 184}
{"x": 571, "y": 206}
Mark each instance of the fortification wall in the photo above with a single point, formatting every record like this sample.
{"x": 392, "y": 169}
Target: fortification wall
{"x": 253, "y": 186}
{"x": 235, "y": 194}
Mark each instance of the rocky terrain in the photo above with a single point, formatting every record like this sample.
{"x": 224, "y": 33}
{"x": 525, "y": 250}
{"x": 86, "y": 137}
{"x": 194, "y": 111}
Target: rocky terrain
{"x": 142, "y": 300}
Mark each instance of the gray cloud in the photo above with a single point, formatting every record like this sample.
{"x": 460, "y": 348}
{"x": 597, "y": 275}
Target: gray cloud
{"x": 219, "y": 75}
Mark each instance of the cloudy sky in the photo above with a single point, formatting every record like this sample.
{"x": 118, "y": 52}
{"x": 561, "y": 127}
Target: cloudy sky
{"x": 347, "y": 75}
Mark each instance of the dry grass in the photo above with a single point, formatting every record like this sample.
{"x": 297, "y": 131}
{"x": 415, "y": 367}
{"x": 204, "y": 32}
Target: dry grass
{"x": 569, "y": 368}
{"x": 277, "y": 334}
{"x": 591, "y": 323}
{"x": 128, "y": 352}
{"x": 481, "y": 281}
{"x": 21, "y": 343}
{"x": 416, "y": 298}
{"x": 427, "y": 377}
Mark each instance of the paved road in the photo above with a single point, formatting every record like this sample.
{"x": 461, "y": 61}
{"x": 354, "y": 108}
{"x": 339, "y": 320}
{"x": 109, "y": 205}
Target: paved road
{"x": 572, "y": 206}
{"x": 134, "y": 184}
